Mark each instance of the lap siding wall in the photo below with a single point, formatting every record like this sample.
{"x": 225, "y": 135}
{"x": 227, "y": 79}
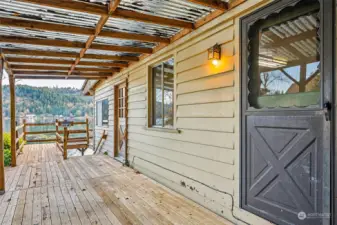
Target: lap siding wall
{"x": 201, "y": 162}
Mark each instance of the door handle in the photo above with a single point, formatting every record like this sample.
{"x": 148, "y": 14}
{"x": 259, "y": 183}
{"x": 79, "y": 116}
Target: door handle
{"x": 327, "y": 111}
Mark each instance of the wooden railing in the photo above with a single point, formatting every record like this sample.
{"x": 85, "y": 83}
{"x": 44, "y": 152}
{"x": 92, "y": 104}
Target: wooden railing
{"x": 66, "y": 142}
{"x": 63, "y": 135}
{"x": 32, "y": 133}
{"x": 19, "y": 136}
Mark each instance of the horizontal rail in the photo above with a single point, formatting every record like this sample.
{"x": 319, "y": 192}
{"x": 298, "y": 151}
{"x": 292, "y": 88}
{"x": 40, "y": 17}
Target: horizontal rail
{"x": 60, "y": 132}
{"x": 40, "y": 132}
{"x": 76, "y": 146}
{"x": 39, "y": 124}
{"x": 41, "y": 140}
{"x": 77, "y": 131}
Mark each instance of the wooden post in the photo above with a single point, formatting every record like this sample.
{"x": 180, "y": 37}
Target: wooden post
{"x": 24, "y": 130}
{"x": 87, "y": 128}
{"x": 303, "y": 78}
{"x": 13, "y": 119}
{"x": 65, "y": 143}
{"x": 17, "y": 145}
{"x": 2, "y": 163}
{"x": 57, "y": 130}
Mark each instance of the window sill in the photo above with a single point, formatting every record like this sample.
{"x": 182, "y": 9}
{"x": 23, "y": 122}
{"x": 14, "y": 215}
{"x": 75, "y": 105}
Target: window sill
{"x": 162, "y": 129}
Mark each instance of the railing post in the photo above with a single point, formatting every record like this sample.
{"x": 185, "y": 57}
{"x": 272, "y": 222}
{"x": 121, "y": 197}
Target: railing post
{"x": 17, "y": 145}
{"x": 13, "y": 118}
{"x": 57, "y": 130}
{"x": 2, "y": 163}
{"x": 24, "y": 129}
{"x": 65, "y": 143}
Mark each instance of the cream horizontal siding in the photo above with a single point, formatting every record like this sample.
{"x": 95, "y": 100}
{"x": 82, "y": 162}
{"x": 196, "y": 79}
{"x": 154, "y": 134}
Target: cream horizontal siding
{"x": 202, "y": 161}
{"x": 105, "y": 93}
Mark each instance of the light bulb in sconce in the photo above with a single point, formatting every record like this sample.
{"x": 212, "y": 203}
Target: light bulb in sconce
{"x": 215, "y": 62}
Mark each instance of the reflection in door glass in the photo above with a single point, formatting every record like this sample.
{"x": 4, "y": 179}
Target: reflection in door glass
{"x": 289, "y": 63}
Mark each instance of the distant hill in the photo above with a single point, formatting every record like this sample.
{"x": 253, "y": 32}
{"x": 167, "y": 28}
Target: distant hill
{"x": 44, "y": 100}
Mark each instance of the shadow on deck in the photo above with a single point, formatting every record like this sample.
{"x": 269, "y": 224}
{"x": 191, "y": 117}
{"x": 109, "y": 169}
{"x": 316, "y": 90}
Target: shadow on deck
{"x": 45, "y": 189}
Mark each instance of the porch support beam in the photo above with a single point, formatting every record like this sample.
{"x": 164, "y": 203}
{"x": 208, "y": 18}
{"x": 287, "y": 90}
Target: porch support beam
{"x": 72, "y": 44}
{"x": 2, "y": 162}
{"x": 13, "y": 118}
{"x": 67, "y": 55}
{"x": 15, "y": 60}
{"x": 51, "y": 73}
{"x": 57, "y": 68}
{"x": 216, "y": 4}
{"x": 78, "y": 30}
{"x": 103, "y": 11}
{"x": 71, "y": 77}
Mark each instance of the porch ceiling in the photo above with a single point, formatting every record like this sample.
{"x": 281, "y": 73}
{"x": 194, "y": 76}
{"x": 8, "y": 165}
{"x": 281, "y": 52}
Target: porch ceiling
{"x": 93, "y": 39}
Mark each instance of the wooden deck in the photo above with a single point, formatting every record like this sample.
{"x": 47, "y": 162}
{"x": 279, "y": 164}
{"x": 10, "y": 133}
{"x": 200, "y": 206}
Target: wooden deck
{"x": 45, "y": 189}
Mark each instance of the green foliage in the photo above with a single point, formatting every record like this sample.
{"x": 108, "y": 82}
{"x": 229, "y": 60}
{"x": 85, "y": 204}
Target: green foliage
{"x": 44, "y": 100}
{"x": 7, "y": 147}
{"x": 7, "y": 158}
{"x": 7, "y": 140}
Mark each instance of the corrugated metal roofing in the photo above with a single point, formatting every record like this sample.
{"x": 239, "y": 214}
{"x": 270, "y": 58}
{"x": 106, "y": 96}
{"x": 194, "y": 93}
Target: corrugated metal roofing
{"x": 181, "y": 10}
{"x": 14, "y": 31}
{"x": 38, "y": 47}
{"x": 130, "y": 26}
{"x": 13, "y": 8}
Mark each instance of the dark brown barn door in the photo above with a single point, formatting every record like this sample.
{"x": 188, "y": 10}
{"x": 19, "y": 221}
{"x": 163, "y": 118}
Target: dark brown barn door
{"x": 287, "y": 97}
{"x": 120, "y": 121}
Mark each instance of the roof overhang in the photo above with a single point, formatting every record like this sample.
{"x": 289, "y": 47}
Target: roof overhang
{"x": 68, "y": 39}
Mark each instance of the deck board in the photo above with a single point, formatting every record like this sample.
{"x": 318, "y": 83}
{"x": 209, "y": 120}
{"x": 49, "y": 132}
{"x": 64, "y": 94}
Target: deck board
{"x": 45, "y": 189}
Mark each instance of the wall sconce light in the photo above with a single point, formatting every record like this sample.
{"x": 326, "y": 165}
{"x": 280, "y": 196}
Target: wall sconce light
{"x": 214, "y": 54}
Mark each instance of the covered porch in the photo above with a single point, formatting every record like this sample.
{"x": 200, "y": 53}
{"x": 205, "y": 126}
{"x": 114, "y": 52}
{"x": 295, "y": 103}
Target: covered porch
{"x": 45, "y": 189}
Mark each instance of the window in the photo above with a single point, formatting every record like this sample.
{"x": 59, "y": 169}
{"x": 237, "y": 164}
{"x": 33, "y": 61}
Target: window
{"x": 102, "y": 113}
{"x": 162, "y": 78}
{"x": 285, "y": 61}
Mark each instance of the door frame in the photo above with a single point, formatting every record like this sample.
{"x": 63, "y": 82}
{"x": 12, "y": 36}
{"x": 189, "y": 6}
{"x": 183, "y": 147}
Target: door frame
{"x": 116, "y": 118}
{"x": 328, "y": 48}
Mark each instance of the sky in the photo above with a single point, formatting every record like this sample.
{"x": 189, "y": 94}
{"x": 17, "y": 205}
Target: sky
{"x": 48, "y": 83}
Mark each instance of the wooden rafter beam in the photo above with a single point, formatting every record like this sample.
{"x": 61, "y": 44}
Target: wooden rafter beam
{"x": 60, "y": 77}
{"x": 216, "y": 4}
{"x": 67, "y": 55}
{"x": 36, "y": 72}
{"x": 44, "y": 26}
{"x": 71, "y": 44}
{"x": 119, "y": 13}
{"x": 89, "y": 44}
{"x": 64, "y": 62}
{"x": 59, "y": 68}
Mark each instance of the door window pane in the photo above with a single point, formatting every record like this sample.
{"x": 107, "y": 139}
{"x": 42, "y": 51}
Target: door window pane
{"x": 162, "y": 94}
{"x": 286, "y": 62}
